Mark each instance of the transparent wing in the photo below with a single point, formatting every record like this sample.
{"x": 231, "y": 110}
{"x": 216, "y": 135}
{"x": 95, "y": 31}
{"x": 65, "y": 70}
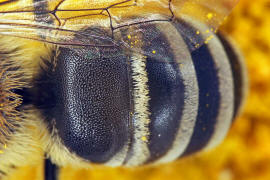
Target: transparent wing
{"x": 96, "y": 23}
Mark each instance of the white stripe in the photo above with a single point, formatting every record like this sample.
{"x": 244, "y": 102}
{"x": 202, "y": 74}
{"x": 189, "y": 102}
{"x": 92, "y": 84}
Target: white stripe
{"x": 139, "y": 148}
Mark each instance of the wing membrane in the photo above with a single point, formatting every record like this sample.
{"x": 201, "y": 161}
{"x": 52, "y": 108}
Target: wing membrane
{"x": 59, "y": 21}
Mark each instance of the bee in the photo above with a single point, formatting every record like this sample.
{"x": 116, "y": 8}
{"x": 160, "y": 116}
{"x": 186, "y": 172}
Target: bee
{"x": 119, "y": 83}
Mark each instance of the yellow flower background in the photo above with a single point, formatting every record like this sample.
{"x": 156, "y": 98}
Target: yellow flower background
{"x": 245, "y": 153}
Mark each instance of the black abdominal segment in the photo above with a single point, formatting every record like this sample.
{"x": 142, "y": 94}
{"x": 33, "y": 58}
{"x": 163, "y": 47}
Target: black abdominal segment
{"x": 166, "y": 92}
{"x": 209, "y": 99}
{"x": 92, "y": 108}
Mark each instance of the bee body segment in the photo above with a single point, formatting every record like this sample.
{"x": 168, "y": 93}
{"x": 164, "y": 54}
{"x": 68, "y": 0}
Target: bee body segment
{"x": 120, "y": 107}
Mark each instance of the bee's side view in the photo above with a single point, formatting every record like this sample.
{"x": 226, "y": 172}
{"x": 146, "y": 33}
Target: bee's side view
{"x": 134, "y": 83}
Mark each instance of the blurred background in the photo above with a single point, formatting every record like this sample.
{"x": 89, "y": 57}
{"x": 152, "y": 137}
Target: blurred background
{"x": 245, "y": 153}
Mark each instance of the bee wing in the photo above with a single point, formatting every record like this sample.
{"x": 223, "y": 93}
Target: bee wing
{"x": 39, "y": 21}
{"x": 78, "y": 23}
{"x": 211, "y": 13}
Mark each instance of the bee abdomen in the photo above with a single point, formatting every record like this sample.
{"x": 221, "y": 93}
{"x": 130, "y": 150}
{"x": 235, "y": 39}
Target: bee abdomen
{"x": 128, "y": 108}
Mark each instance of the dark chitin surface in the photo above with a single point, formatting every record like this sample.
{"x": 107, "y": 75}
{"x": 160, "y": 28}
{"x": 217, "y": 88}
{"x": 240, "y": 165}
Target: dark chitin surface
{"x": 92, "y": 105}
{"x": 166, "y": 92}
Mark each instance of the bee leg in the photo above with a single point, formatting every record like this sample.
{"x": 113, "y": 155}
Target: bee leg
{"x": 50, "y": 170}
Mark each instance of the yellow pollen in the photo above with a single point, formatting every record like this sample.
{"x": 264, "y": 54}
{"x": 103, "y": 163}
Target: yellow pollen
{"x": 129, "y": 36}
{"x": 154, "y": 52}
{"x": 197, "y": 32}
{"x": 144, "y": 138}
{"x": 208, "y": 39}
{"x": 210, "y": 15}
